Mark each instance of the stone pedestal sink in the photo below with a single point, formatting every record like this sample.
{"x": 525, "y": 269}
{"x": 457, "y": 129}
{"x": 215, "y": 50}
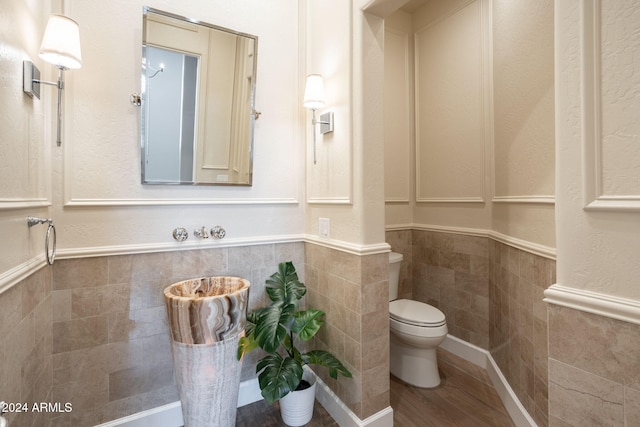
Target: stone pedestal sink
{"x": 206, "y": 318}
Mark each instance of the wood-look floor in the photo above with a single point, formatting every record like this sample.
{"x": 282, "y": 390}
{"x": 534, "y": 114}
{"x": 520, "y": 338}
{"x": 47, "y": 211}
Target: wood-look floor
{"x": 464, "y": 398}
{"x": 261, "y": 414}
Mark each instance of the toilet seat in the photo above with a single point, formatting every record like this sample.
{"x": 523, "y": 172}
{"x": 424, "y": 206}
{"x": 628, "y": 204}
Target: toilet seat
{"x": 416, "y": 313}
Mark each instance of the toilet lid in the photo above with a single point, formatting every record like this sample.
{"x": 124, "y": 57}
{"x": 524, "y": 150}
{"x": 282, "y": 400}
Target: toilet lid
{"x": 395, "y": 257}
{"x": 416, "y": 313}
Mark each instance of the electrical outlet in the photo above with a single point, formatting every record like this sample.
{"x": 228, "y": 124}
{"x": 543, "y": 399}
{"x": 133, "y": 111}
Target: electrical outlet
{"x": 323, "y": 227}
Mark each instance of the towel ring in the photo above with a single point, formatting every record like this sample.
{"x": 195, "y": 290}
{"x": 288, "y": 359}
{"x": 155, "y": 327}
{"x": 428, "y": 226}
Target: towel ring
{"x": 52, "y": 257}
{"x": 50, "y": 254}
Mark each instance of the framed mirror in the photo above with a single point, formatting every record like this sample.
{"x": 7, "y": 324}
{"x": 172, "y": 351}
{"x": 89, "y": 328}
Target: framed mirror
{"x": 198, "y": 112}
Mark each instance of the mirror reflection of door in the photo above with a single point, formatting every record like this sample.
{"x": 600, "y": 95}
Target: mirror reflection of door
{"x": 170, "y": 115}
{"x": 224, "y": 156}
{"x": 198, "y": 111}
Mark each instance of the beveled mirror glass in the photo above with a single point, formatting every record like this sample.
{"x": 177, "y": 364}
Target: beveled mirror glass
{"x": 198, "y": 85}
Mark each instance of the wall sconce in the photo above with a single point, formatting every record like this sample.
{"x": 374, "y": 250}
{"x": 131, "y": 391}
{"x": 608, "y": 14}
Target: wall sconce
{"x": 314, "y": 99}
{"x": 60, "y": 47}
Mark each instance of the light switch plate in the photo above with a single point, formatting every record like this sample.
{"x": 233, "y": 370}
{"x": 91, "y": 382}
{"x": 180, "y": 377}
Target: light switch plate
{"x": 323, "y": 227}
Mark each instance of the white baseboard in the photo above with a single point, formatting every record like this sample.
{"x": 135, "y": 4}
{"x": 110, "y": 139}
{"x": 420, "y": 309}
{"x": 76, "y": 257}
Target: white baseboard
{"x": 344, "y": 416}
{"x": 482, "y": 358}
{"x": 170, "y": 415}
{"x": 249, "y": 392}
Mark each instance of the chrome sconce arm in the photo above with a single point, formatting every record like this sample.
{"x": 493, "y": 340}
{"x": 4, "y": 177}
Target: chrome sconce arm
{"x": 314, "y": 99}
{"x": 31, "y": 86}
{"x": 326, "y": 126}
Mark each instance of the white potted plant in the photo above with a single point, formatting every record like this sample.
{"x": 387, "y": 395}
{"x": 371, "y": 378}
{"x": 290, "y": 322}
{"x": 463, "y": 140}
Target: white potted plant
{"x": 277, "y": 329}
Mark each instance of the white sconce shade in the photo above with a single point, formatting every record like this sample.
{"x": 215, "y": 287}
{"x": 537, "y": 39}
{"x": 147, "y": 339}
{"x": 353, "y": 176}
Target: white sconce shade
{"x": 61, "y": 43}
{"x": 314, "y": 92}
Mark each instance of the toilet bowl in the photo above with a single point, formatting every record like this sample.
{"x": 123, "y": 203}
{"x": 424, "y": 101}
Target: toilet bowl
{"x": 416, "y": 331}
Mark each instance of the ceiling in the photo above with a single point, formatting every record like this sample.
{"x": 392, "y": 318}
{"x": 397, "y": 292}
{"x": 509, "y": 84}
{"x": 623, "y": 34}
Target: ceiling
{"x": 413, "y": 5}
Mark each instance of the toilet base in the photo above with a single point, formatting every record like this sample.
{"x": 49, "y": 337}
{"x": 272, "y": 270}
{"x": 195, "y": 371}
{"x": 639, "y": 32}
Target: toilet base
{"x": 413, "y": 365}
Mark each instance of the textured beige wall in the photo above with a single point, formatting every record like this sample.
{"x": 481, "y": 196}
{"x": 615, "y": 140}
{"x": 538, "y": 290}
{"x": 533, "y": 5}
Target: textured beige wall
{"x": 484, "y": 117}
{"x": 399, "y": 133}
{"x": 523, "y": 98}
{"x": 593, "y": 365}
{"x": 347, "y": 184}
{"x": 25, "y": 165}
{"x": 99, "y": 165}
{"x": 450, "y": 139}
{"x": 523, "y": 122}
{"x": 599, "y": 250}
{"x": 449, "y": 158}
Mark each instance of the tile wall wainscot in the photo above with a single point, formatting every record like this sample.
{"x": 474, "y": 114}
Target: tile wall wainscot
{"x": 594, "y": 369}
{"x": 25, "y": 353}
{"x": 93, "y": 331}
{"x": 491, "y": 294}
{"x": 518, "y": 323}
{"x": 353, "y": 292}
{"x": 448, "y": 271}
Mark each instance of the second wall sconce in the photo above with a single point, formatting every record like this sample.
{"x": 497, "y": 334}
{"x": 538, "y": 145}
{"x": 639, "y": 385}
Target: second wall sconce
{"x": 314, "y": 99}
{"x": 60, "y": 47}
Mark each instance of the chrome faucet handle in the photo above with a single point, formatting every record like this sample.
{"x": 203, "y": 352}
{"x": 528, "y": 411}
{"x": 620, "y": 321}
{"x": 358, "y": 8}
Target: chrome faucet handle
{"x": 180, "y": 234}
{"x": 218, "y": 232}
{"x": 201, "y": 233}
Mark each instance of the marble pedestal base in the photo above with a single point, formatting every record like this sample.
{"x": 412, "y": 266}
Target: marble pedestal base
{"x": 208, "y": 377}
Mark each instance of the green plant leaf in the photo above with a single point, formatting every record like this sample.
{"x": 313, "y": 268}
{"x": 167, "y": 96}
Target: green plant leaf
{"x": 253, "y": 316}
{"x": 279, "y": 376}
{"x": 307, "y": 323}
{"x": 252, "y": 319}
{"x": 283, "y": 286}
{"x": 324, "y": 358}
{"x": 246, "y": 344}
{"x": 292, "y": 351}
{"x": 271, "y": 326}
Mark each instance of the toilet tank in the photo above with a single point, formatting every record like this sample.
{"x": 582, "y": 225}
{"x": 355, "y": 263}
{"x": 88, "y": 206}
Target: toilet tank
{"x": 395, "y": 261}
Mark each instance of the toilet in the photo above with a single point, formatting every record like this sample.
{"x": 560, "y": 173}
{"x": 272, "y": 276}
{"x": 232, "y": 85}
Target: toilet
{"x": 416, "y": 331}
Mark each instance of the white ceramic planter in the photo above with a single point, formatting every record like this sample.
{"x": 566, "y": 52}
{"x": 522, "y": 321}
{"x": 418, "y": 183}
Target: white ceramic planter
{"x": 296, "y": 408}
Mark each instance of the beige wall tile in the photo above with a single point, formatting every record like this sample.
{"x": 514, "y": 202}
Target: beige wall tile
{"x": 35, "y": 288}
{"x": 134, "y": 324}
{"x": 75, "y": 324}
{"x": 61, "y": 301}
{"x": 603, "y": 346}
{"x": 80, "y": 273}
{"x": 375, "y": 297}
{"x": 353, "y": 291}
{"x": 89, "y": 302}
{"x": 80, "y": 333}
{"x": 583, "y": 399}
{"x": 631, "y": 407}
{"x": 139, "y": 379}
